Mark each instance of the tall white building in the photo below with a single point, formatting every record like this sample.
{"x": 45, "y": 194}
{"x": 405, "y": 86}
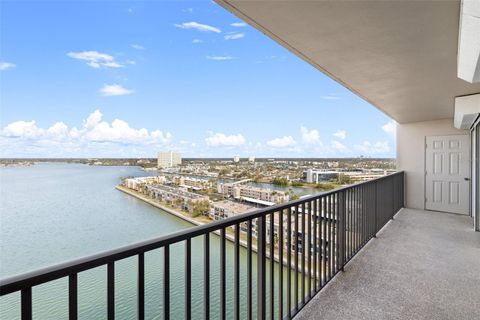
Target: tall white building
{"x": 236, "y": 159}
{"x": 169, "y": 159}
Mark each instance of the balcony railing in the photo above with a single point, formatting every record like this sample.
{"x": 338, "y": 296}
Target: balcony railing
{"x": 315, "y": 238}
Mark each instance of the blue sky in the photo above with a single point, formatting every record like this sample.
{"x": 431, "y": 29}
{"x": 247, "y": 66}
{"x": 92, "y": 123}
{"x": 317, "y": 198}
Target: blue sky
{"x": 127, "y": 79}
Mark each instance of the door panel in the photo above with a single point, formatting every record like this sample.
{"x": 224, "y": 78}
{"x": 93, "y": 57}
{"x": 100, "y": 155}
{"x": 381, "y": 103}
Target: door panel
{"x": 447, "y": 173}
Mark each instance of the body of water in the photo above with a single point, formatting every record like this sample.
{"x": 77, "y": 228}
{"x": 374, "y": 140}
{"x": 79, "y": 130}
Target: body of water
{"x": 53, "y": 212}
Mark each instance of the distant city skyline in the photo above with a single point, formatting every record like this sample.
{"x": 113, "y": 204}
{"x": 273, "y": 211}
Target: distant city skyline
{"x": 130, "y": 79}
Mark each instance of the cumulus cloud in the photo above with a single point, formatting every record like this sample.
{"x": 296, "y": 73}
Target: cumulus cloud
{"x": 310, "y": 136}
{"x": 390, "y": 128}
{"x": 373, "y": 148}
{"x": 137, "y": 47}
{"x": 94, "y": 129}
{"x": 96, "y": 59}
{"x": 23, "y": 129}
{"x": 221, "y": 139}
{"x": 197, "y": 26}
{"x": 234, "y": 36}
{"x": 114, "y": 90}
{"x": 342, "y": 134}
{"x": 283, "y": 142}
{"x": 220, "y": 58}
{"x": 338, "y": 146}
{"x": 197, "y": 41}
{"x": 6, "y": 65}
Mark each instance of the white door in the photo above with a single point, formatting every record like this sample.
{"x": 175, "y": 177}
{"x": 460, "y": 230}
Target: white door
{"x": 447, "y": 174}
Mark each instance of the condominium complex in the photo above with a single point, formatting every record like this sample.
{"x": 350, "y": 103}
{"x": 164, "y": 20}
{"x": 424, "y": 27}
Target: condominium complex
{"x": 175, "y": 196}
{"x": 191, "y": 183}
{"x": 138, "y": 182}
{"x": 226, "y": 209}
{"x": 169, "y": 159}
{"x": 252, "y": 194}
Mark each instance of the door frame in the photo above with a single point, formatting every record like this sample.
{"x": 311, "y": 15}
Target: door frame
{"x": 475, "y": 174}
{"x": 469, "y": 172}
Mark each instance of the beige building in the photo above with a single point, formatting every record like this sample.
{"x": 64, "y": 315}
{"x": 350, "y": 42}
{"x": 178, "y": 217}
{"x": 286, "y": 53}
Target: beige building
{"x": 168, "y": 159}
{"x": 249, "y": 193}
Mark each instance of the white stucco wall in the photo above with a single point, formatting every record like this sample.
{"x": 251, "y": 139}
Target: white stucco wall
{"x": 411, "y": 155}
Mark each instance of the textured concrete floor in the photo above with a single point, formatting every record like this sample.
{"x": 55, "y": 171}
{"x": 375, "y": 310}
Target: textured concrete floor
{"x": 423, "y": 265}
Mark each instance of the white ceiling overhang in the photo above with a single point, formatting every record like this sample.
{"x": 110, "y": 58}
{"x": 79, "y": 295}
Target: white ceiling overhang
{"x": 401, "y": 56}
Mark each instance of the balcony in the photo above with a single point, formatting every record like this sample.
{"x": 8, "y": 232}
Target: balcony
{"x": 283, "y": 271}
{"x": 423, "y": 265}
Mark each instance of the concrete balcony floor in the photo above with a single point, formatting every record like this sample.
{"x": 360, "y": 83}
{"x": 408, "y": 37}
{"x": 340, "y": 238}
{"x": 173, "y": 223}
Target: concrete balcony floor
{"x": 423, "y": 265}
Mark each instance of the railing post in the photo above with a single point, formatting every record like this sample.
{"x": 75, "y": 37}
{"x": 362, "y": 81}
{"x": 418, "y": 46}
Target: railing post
{"x": 261, "y": 269}
{"x": 376, "y": 209}
{"x": 341, "y": 228}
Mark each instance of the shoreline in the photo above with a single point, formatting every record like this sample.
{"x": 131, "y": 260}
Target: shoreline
{"x": 228, "y": 232}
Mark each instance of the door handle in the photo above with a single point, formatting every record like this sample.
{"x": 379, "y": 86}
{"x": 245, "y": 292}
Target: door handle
{"x": 466, "y": 179}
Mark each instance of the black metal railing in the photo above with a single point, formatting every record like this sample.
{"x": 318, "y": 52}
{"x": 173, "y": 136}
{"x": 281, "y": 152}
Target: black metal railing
{"x": 312, "y": 239}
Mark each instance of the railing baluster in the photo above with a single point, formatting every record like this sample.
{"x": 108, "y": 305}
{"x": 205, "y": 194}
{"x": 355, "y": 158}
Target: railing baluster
{"x": 289, "y": 262}
{"x": 272, "y": 265}
{"x": 304, "y": 248}
{"x": 249, "y": 271}
{"x": 314, "y": 241}
{"x": 141, "y": 286}
{"x": 280, "y": 265}
{"x": 309, "y": 252}
{"x": 26, "y": 303}
{"x": 330, "y": 241}
{"x": 111, "y": 290}
{"x": 324, "y": 240}
{"x": 237, "y": 273}
{"x": 261, "y": 268}
{"x": 166, "y": 282}
{"x": 188, "y": 279}
{"x": 72, "y": 297}
{"x": 223, "y": 288}
{"x": 295, "y": 280}
{"x": 206, "y": 276}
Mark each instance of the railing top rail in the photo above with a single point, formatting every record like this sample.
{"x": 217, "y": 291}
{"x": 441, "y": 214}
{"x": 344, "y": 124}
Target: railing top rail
{"x": 50, "y": 273}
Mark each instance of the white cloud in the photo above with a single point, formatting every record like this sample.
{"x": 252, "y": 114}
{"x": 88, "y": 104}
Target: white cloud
{"x": 23, "y": 129}
{"x": 197, "y": 41}
{"x": 331, "y": 97}
{"x": 373, "y": 148}
{"x": 96, "y": 59}
{"x": 234, "y": 36}
{"x": 390, "y": 128}
{"x": 310, "y": 136}
{"x": 93, "y": 130}
{"x": 283, "y": 142}
{"x": 221, "y": 139}
{"x": 115, "y": 90}
{"x": 6, "y": 65}
{"x": 238, "y": 24}
{"x": 198, "y": 26}
{"x": 220, "y": 58}
{"x": 137, "y": 47}
{"x": 338, "y": 146}
{"x": 342, "y": 134}
{"x": 58, "y": 131}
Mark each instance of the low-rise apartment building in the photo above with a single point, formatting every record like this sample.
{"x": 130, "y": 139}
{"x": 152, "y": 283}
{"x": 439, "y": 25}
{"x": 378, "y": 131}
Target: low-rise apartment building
{"x": 138, "y": 183}
{"x": 175, "y": 196}
{"x": 192, "y": 183}
{"x": 251, "y": 193}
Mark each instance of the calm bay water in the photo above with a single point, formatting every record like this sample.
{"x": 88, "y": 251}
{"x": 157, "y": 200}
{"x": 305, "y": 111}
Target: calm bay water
{"x": 51, "y": 213}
